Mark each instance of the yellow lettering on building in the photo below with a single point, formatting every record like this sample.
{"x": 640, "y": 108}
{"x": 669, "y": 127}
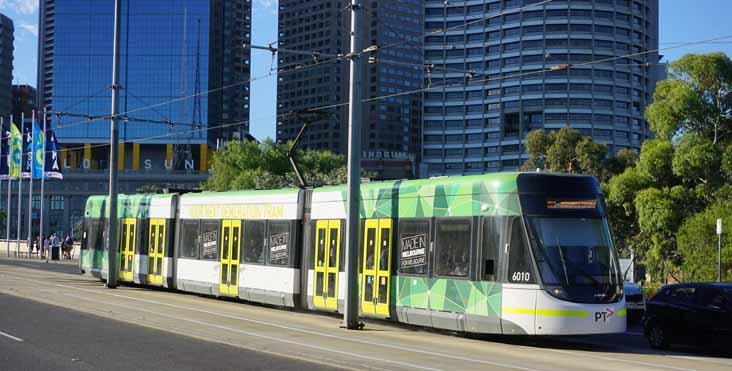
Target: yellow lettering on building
{"x": 237, "y": 211}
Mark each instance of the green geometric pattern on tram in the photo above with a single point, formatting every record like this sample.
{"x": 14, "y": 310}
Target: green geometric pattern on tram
{"x": 412, "y": 292}
{"x": 446, "y": 295}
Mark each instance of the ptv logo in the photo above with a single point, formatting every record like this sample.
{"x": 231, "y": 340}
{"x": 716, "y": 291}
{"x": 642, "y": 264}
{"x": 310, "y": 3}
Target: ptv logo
{"x": 604, "y": 316}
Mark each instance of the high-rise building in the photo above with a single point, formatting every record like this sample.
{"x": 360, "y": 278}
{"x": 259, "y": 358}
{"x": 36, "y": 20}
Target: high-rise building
{"x": 496, "y": 83}
{"x": 23, "y": 100}
{"x": 6, "y": 64}
{"x": 390, "y": 127}
{"x": 172, "y": 53}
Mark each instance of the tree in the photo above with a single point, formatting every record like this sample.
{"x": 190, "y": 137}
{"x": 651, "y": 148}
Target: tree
{"x": 568, "y": 151}
{"x": 252, "y": 165}
{"x": 696, "y": 98}
{"x": 698, "y": 244}
{"x": 661, "y": 206}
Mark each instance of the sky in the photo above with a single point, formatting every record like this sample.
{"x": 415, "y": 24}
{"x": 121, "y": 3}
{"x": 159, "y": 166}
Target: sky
{"x": 681, "y": 21}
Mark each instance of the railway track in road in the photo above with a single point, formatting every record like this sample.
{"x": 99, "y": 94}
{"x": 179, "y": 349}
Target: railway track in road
{"x": 315, "y": 337}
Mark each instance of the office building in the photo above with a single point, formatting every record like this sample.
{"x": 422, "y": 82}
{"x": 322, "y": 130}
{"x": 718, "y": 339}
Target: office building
{"x": 505, "y": 74}
{"x": 390, "y": 127}
{"x": 6, "y": 64}
{"x": 172, "y": 52}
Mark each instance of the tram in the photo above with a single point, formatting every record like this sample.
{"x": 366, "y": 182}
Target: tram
{"x": 504, "y": 253}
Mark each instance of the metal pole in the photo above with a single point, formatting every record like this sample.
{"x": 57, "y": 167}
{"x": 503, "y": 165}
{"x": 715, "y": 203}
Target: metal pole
{"x": 113, "y": 147}
{"x": 350, "y": 310}
{"x": 719, "y": 258}
{"x": 31, "y": 159}
{"x": 43, "y": 178}
{"x": 10, "y": 181}
{"x": 20, "y": 186}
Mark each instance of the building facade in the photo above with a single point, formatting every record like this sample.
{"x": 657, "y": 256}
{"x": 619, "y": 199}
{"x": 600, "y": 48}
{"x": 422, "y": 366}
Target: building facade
{"x": 172, "y": 53}
{"x": 23, "y": 100}
{"x": 517, "y": 67}
{"x": 6, "y": 64}
{"x": 390, "y": 127}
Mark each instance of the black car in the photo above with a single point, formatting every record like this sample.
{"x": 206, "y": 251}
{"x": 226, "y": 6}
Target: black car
{"x": 690, "y": 313}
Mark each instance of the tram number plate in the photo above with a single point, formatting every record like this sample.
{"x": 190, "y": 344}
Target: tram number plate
{"x": 521, "y": 277}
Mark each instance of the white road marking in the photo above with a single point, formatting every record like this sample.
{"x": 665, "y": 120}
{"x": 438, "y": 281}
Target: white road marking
{"x": 704, "y": 359}
{"x": 413, "y": 350}
{"x": 10, "y": 336}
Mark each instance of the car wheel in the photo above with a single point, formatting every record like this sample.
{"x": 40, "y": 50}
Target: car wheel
{"x": 658, "y": 337}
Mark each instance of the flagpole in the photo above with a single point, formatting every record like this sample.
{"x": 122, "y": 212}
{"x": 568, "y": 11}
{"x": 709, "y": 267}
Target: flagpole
{"x": 20, "y": 186}
{"x": 43, "y": 176}
{"x": 10, "y": 181}
{"x": 32, "y": 161}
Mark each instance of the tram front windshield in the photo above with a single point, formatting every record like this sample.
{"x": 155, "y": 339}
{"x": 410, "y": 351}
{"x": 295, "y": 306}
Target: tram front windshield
{"x": 576, "y": 259}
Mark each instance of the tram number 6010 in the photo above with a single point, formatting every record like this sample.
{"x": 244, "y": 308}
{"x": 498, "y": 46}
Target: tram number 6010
{"x": 521, "y": 277}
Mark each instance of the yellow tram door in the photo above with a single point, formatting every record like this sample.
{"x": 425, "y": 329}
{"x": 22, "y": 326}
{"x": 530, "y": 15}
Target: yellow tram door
{"x": 156, "y": 251}
{"x": 327, "y": 263}
{"x": 376, "y": 275}
{"x": 127, "y": 249}
{"x": 230, "y": 249}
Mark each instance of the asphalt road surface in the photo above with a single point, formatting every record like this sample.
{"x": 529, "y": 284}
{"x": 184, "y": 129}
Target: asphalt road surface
{"x": 37, "y": 336}
{"x": 70, "y": 321}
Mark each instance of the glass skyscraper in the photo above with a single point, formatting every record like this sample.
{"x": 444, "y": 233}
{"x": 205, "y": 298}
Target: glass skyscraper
{"x": 168, "y": 50}
{"x": 494, "y": 83}
{"x": 6, "y": 63}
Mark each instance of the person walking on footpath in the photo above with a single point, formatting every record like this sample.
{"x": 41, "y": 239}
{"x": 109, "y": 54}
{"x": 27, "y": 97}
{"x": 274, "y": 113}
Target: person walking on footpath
{"x": 55, "y": 242}
{"x": 45, "y": 249}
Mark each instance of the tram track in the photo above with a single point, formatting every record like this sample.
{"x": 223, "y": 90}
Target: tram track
{"x": 426, "y": 355}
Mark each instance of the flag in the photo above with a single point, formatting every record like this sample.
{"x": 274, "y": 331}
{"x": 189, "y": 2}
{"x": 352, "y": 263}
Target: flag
{"x": 4, "y": 146}
{"x": 38, "y": 151}
{"x": 52, "y": 167}
{"x": 27, "y": 158}
{"x": 16, "y": 150}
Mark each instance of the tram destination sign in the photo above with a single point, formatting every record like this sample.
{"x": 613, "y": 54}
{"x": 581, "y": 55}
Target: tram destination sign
{"x": 571, "y": 204}
{"x": 413, "y": 249}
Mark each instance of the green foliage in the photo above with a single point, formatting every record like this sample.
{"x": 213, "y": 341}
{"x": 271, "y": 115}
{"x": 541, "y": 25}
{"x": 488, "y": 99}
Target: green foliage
{"x": 568, "y": 151}
{"x": 698, "y": 244}
{"x": 252, "y": 165}
{"x": 655, "y": 161}
{"x": 696, "y": 99}
{"x": 697, "y": 159}
{"x": 662, "y": 206}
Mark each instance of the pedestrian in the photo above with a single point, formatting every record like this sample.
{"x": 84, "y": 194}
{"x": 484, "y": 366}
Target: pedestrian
{"x": 54, "y": 244}
{"x": 39, "y": 246}
{"x": 45, "y": 250}
{"x": 68, "y": 245}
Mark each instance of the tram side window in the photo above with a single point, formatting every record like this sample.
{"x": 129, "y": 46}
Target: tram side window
{"x": 93, "y": 234}
{"x": 491, "y": 241}
{"x": 452, "y": 248}
{"x": 209, "y": 239}
{"x": 253, "y": 242}
{"x": 414, "y": 246}
{"x": 519, "y": 260}
{"x": 189, "y": 239}
{"x": 278, "y": 241}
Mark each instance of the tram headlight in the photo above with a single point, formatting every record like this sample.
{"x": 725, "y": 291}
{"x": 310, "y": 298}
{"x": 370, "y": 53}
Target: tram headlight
{"x": 557, "y": 292}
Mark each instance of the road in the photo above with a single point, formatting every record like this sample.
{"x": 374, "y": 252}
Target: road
{"x": 266, "y": 337}
{"x": 37, "y": 336}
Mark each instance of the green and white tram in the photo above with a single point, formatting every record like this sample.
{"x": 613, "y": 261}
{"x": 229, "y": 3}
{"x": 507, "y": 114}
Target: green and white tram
{"x": 507, "y": 253}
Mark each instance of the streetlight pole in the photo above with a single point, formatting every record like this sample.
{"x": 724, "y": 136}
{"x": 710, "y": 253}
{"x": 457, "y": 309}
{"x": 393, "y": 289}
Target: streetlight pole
{"x": 719, "y": 250}
{"x": 350, "y": 311}
{"x": 113, "y": 144}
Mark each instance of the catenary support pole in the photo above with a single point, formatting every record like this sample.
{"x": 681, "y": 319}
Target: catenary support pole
{"x": 43, "y": 177}
{"x": 10, "y": 183}
{"x": 112, "y": 244}
{"x": 31, "y": 161}
{"x": 20, "y": 187}
{"x": 350, "y": 310}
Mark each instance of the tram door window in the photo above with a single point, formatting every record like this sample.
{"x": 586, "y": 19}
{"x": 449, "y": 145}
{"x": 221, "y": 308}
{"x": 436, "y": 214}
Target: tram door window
{"x": 156, "y": 251}
{"x": 519, "y": 261}
{"x": 230, "y": 248}
{"x": 327, "y": 263}
{"x": 127, "y": 248}
{"x": 376, "y": 267}
{"x": 491, "y": 241}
